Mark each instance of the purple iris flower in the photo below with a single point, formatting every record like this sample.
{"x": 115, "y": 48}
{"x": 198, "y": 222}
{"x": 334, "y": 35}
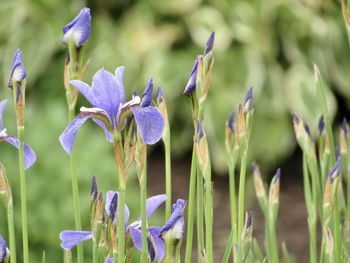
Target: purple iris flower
{"x": 3, "y": 249}
{"x": 156, "y": 245}
{"x": 109, "y": 260}
{"x": 18, "y": 71}
{"x": 79, "y": 29}
{"x": 29, "y": 155}
{"x": 107, "y": 97}
{"x": 175, "y": 227}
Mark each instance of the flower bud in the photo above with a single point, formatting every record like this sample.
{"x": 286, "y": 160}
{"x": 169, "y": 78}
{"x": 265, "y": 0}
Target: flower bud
{"x": 5, "y": 189}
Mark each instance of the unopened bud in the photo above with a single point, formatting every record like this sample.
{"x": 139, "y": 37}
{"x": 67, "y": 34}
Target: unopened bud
{"x": 258, "y": 182}
{"x": 275, "y": 188}
{"x": 5, "y": 189}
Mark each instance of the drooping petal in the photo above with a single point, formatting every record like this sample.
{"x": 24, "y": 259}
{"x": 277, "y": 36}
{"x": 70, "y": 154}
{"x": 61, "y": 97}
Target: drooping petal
{"x": 109, "y": 136}
{"x": 84, "y": 89}
{"x": 157, "y": 242}
{"x": 2, "y": 107}
{"x": 147, "y": 94}
{"x": 174, "y": 227}
{"x": 3, "y": 251}
{"x": 153, "y": 203}
{"x": 79, "y": 29}
{"x": 136, "y": 236}
{"x": 107, "y": 92}
{"x": 150, "y": 124}
{"x": 70, "y": 238}
{"x": 68, "y": 136}
{"x": 18, "y": 71}
{"x": 29, "y": 154}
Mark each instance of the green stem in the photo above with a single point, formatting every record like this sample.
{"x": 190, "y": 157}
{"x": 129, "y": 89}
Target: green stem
{"x": 95, "y": 252}
{"x": 169, "y": 252}
{"x": 11, "y": 229}
{"x": 144, "y": 215}
{"x": 233, "y": 201}
{"x": 228, "y": 248}
{"x": 209, "y": 214}
{"x": 167, "y": 146}
{"x": 313, "y": 239}
{"x": 20, "y": 133}
{"x": 200, "y": 238}
{"x": 241, "y": 196}
{"x": 190, "y": 217}
{"x": 75, "y": 190}
{"x": 273, "y": 239}
{"x": 121, "y": 223}
{"x": 337, "y": 231}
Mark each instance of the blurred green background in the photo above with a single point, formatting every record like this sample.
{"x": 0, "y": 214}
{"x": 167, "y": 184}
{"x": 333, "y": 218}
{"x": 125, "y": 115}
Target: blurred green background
{"x": 270, "y": 45}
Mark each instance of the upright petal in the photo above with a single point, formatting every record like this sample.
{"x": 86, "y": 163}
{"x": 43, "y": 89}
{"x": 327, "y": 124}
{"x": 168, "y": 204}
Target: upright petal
{"x": 18, "y": 72}
{"x": 29, "y": 154}
{"x": 79, "y": 29}
{"x": 107, "y": 92}
{"x": 70, "y": 238}
{"x": 150, "y": 124}
{"x": 119, "y": 77}
{"x": 2, "y": 107}
{"x": 158, "y": 242}
{"x": 147, "y": 94}
{"x": 68, "y": 136}
{"x": 153, "y": 203}
{"x": 84, "y": 89}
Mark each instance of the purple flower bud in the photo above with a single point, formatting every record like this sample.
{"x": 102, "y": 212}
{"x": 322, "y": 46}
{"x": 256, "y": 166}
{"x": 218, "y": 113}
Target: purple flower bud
{"x": 67, "y": 59}
{"x": 277, "y": 175}
{"x": 296, "y": 118}
{"x": 321, "y": 124}
{"x": 18, "y": 71}
{"x": 336, "y": 152}
{"x": 344, "y": 126}
{"x": 191, "y": 84}
{"x": 113, "y": 208}
{"x": 200, "y": 130}
{"x": 210, "y": 43}
{"x": 248, "y": 104}
{"x": 147, "y": 94}
{"x": 109, "y": 260}
{"x": 3, "y": 249}
{"x": 231, "y": 122}
{"x": 160, "y": 95}
{"x": 79, "y": 29}
{"x": 308, "y": 130}
{"x": 335, "y": 170}
{"x": 249, "y": 219}
{"x": 94, "y": 189}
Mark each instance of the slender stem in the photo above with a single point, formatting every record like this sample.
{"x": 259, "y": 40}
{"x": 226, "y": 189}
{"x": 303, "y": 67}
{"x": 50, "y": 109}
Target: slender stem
{"x": 337, "y": 231}
{"x": 169, "y": 255}
{"x": 95, "y": 252}
{"x": 200, "y": 239}
{"x": 178, "y": 252}
{"x": 233, "y": 201}
{"x": 121, "y": 224}
{"x": 241, "y": 195}
{"x": 190, "y": 217}
{"x": 313, "y": 239}
{"x": 11, "y": 229}
{"x": 143, "y": 215}
{"x": 228, "y": 248}
{"x": 20, "y": 133}
{"x": 167, "y": 146}
{"x": 75, "y": 190}
{"x": 209, "y": 214}
{"x": 273, "y": 239}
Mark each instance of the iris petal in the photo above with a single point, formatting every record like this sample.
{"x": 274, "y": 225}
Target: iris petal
{"x": 107, "y": 92}
{"x": 2, "y": 107}
{"x": 29, "y": 154}
{"x": 119, "y": 77}
{"x": 85, "y": 90}
{"x": 158, "y": 242}
{"x": 68, "y": 136}
{"x": 150, "y": 124}
{"x": 153, "y": 203}
{"x": 72, "y": 238}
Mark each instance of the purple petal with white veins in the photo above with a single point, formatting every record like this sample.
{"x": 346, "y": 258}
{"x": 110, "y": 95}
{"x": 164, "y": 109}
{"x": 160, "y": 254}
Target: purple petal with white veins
{"x": 29, "y": 154}
{"x": 158, "y": 242}
{"x": 68, "y": 136}
{"x": 79, "y": 29}
{"x": 18, "y": 72}
{"x": 84, "y": 89}
{"x": 147, "y": 94}
{"x": 150, "y": 124}
{"x": 107, "y": 92}
{"x": 2, "y": 107}
{"x": 70, "y": 238}
{"x": 153, "y": 203}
